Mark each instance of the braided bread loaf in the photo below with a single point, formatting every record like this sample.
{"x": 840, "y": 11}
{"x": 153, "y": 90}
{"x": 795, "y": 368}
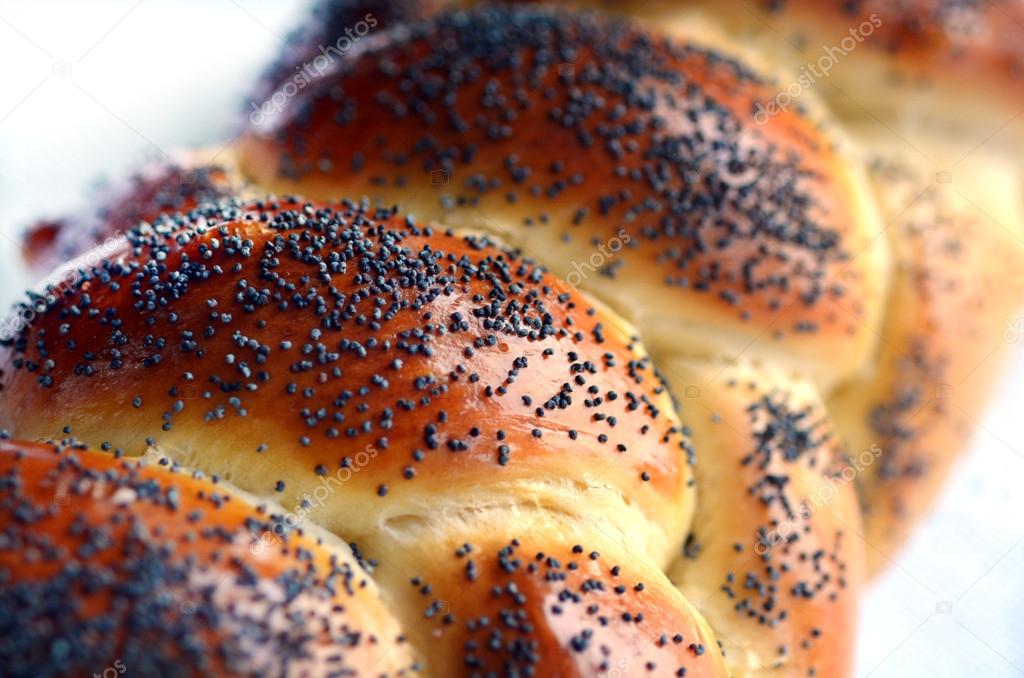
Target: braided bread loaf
{"x": 630, "y": 381}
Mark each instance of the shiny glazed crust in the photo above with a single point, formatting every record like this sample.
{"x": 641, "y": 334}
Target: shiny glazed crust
{"x": 137, "y": 568}
{"x": 630, "y": 381}
{"x": 567, "y": 134}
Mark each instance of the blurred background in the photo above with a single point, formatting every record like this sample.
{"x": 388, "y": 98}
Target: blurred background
{"x": 91, "y": 90}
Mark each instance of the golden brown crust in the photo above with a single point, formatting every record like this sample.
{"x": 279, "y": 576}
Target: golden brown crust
{"x": 774, "y": 559}
{"x": 571, "y": 135}
{"x": 463, "y": 415}
{"x": 290, "y": 347}
{"x": 154, "y": 573}
{"x": 493, "y": 606}
{"x": 432, "y": 386}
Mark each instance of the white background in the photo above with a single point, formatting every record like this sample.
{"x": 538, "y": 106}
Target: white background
{"x": 93, "y": 88}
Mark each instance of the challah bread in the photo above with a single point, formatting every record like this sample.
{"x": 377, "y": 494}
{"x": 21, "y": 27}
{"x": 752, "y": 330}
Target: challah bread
{"x": 493, "y": 439}
{"x": 107, "y": 564}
